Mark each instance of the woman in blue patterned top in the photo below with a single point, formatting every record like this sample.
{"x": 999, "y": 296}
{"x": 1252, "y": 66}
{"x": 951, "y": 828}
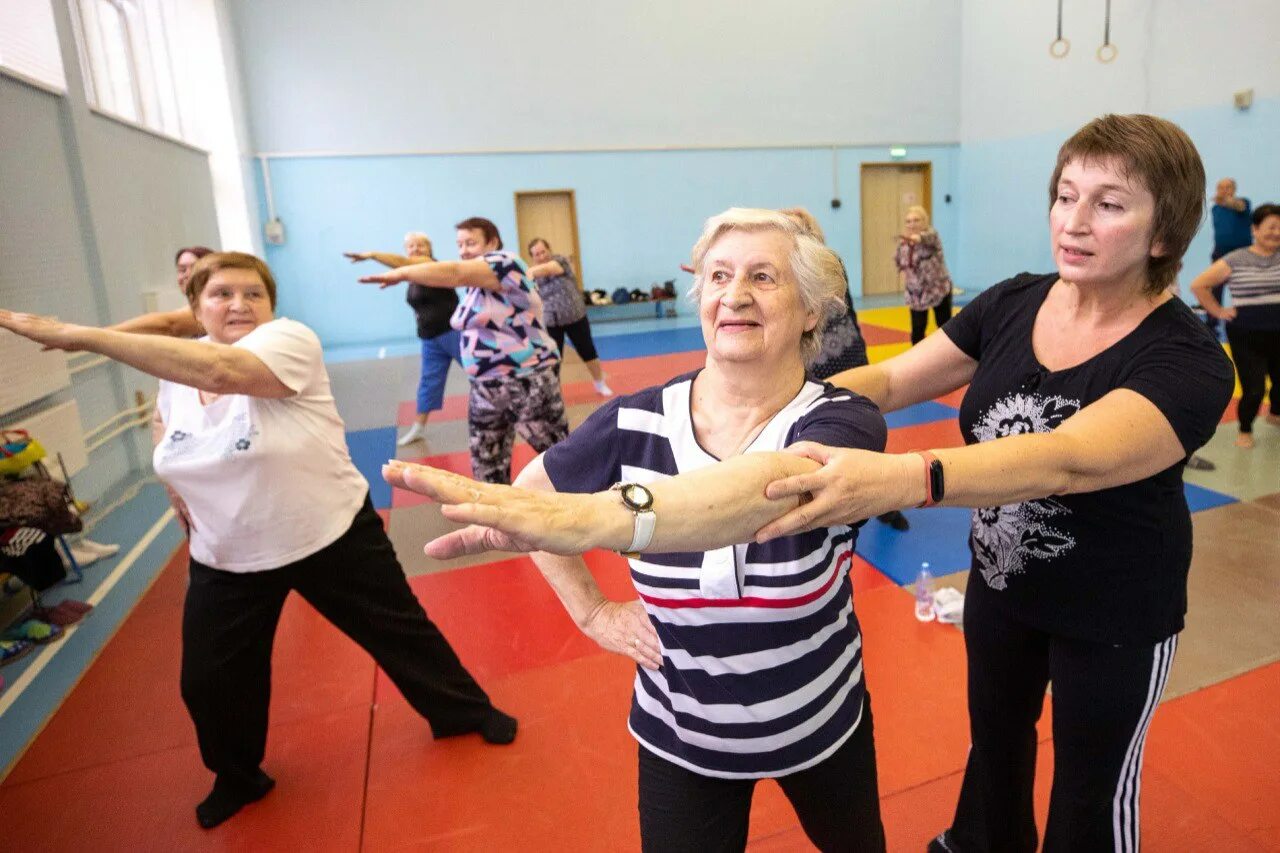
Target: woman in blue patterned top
{"x": 750, "y": 656}
{"x": 563, "y": 308}
{"x": 506, "y": 351}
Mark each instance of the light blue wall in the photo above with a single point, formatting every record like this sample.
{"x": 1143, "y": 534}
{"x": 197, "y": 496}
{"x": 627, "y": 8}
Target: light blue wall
{"x": 639, "y": 214}
{"x": 1004, "y": 188}
{"x": 385, "y": 76}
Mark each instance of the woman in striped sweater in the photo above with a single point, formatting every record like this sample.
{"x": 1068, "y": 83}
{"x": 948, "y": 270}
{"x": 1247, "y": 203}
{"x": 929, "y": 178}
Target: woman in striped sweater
{"x": 1252, "y": 276}
{"x": 750, "y": 656}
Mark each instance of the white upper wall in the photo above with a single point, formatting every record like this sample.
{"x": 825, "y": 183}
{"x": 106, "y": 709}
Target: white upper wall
{"x": 1173, "y": 55}
{"x": 390, "y": 75}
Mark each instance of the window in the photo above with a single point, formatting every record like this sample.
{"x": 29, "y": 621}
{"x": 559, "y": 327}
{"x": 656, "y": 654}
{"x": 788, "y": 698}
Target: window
{"x": 29, "y": 43}
{"x": 124, "y": 46}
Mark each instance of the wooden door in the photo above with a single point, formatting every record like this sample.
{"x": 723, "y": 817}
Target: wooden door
{"x": 553, "y": 216}
{"x": 888, "y": 189}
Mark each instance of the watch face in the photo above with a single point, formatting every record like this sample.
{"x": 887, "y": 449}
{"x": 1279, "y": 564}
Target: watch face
{"x": 637, "y": 497}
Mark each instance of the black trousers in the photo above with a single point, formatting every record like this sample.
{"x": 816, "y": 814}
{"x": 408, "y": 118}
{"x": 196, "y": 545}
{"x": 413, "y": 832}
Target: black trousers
{"x": 837, "y": 801}
{"x": 229, "y": 624}
{"x": 1257, "y": 355}
{"x": 920, "y": 319}
{"x": 1103, "y": 700}
{"x": 579, "y": 333}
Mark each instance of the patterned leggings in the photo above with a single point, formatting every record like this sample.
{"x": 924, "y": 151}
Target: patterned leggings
{"x": 501, "y": 406}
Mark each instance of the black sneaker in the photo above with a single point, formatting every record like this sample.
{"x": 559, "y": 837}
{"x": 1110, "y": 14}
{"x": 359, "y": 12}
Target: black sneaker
{"x": 1199, "y": 463}
{"x": 896, "y": 520}
{"x": 943, "y": 844}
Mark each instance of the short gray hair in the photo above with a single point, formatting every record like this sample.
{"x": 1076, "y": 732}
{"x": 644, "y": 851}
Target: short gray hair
{"x": 817, "y": 270}
{"x": 418, "y": 235}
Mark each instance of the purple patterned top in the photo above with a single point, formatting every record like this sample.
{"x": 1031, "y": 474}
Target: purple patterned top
{"x": 927, "y": 280}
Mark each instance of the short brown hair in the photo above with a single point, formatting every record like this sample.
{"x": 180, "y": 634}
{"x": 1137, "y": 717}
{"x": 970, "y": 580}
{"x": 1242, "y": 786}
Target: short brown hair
{"x": 479, "y": 223}
{"x": 198, "y": 251}
{"x": 535, "y": 241}
{"x": 210, "y": 264}
{"x": 1163, "y": 158}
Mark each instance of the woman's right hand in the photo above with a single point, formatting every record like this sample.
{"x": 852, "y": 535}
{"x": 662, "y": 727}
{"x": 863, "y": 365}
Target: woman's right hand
{"x": 623, "y": 627}
{"x": 1228, "y": 313}
{"x": 356, "y": 257}
{"x": 180, "y": 511}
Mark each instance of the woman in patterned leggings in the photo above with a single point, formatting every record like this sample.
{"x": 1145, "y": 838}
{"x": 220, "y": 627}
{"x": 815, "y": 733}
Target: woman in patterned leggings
{"x": 506, "y": 351}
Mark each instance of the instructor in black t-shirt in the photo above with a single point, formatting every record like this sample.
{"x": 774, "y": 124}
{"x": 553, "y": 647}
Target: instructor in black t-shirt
{"x": 1088, "y": 390}
{"x": 432, "y": 307}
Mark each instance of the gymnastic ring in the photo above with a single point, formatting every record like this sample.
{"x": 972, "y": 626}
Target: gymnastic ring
{"x": 1058, "y": 52}
{"x": 1108, "y": 52}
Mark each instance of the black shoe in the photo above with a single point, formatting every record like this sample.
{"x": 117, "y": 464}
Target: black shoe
{"x": 943, "y": 844}
{"x": 230, "y": 795}
{"x": 1199, "y": 463}
{"x": 496, "y": 728}
{"x": 896, "y": 520}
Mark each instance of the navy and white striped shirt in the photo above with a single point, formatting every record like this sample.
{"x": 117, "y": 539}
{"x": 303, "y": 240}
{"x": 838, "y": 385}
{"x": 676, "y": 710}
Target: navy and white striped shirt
{"x": 1255, "y": 289}
{"x": 762, "y": 656}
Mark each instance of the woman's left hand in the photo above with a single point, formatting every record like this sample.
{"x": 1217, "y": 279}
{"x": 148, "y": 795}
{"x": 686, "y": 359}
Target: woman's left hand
{"x": 53, "y": 333}
{"x": 383, "y": 279}
{"x": 851, "y": 485}
{"x": 555, "y": 522}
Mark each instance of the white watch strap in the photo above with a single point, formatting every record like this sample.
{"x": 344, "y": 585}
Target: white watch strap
{"x": 646, "y": 523}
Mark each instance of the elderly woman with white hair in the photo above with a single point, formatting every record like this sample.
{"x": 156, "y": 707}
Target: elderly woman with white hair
{"x": 441, "y": 344}
{"x": 750, "y": 656}
{"x": 925, "y": 281}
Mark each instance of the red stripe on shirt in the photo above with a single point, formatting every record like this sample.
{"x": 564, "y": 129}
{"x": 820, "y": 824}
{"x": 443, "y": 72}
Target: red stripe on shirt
{"x": 753, "y": 601}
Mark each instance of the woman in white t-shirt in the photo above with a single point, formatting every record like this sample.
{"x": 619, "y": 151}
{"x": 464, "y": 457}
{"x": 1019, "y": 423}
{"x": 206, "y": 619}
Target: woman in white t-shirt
{"x": 251, "y": 447}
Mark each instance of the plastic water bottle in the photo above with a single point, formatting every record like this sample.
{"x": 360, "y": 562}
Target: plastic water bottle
{"x": 924, "y": 594}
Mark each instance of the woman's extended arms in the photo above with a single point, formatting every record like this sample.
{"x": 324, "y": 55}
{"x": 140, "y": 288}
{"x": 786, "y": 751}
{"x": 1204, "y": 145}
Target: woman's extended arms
{"x": 1121, "y": 438}
{"x": 210, "y": 367}
{"x": 387, "y": 259}
{"x": 546, "y": 270}
{"x": 931, "y": 368}
{"x": 474, "y": 273}
{"x": 722, "y": 504}
{"x": 179, "y": 323}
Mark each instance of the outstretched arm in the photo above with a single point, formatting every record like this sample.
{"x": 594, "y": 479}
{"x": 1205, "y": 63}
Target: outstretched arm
{"x": 214, "y": 368}
{"x": 546, "y": 270}
{"x": 722, "y": 504}
{"x": 931, "y": 368}
{"x": 1119, "y": 439}
{"x": 387, "y": 259}
{"x": 440, "y": 274}
{"x": 179, "y": 323}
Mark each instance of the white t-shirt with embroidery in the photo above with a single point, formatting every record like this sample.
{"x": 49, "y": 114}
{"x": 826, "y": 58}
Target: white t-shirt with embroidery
{"x": 266, "y": 481}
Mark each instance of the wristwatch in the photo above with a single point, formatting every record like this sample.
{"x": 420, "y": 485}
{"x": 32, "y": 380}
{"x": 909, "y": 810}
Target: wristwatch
{"x": 639, "y": 500}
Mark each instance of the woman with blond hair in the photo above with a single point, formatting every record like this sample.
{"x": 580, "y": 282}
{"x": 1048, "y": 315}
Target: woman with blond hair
{"x": 925, "y": 280}
{"x": 432, "y": 307}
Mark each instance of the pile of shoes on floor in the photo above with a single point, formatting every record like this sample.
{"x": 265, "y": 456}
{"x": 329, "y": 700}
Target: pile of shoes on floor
{"x": 37, "y": 511}
{"x": 41, "y": 623}
{"x": 622, "y": 296}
